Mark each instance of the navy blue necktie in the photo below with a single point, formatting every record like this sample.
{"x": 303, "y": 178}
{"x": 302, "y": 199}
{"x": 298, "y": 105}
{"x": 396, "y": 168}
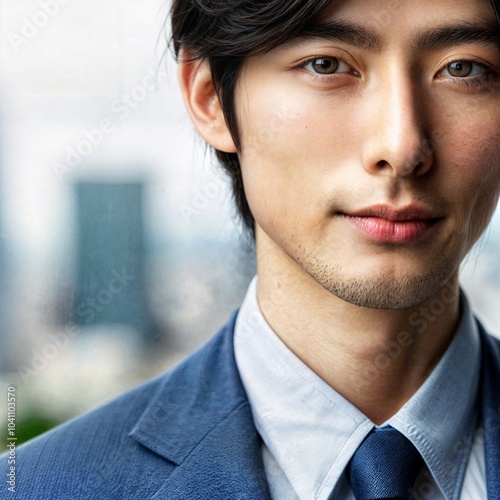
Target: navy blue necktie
{"x": 385, "y": 466}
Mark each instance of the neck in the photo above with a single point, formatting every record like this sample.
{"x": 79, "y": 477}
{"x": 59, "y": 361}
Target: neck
{"x": 376, "y": 359}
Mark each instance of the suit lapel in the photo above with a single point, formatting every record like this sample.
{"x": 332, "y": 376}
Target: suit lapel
{"x": 200, "y": 420}
{"x": 226, "y": 464}
{"x": 491, "y": 412}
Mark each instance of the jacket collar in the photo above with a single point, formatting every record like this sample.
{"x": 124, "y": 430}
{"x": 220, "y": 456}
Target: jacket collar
{"x": 201, "y": 421}
{"x": 491, "y": 412}
{"x": 219, "y": 453}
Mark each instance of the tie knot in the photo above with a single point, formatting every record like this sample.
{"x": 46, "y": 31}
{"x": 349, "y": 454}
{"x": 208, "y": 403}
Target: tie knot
{"x": 385, "y": 466}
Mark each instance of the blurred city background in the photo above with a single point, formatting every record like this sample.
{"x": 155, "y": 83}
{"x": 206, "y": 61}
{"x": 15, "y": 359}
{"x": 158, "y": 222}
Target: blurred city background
{"x": 119, "y": 250}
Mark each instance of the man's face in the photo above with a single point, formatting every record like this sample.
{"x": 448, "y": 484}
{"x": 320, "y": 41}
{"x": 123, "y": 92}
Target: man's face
{"x": 372, "y": 162}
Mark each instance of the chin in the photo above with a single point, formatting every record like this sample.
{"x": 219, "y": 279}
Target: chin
{"x": 382, "y": 290}
{"x": 382, "y": 296}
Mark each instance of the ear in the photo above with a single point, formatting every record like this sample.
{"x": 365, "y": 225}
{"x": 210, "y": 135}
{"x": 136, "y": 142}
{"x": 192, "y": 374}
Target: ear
{"x": 203, "y": 104}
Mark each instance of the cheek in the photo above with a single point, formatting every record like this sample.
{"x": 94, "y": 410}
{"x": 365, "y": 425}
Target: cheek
{"x": 481, "y": 163}
{"x": 476, "y": 174}
{"x": 277, "y": 157}
{"x": 265, "y": 153}
{"x": 285, "y": 122}
{"x": 472, "y": 140}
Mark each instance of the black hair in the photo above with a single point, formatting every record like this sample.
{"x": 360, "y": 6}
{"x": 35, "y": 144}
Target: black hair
{"x": 226, "y": 33}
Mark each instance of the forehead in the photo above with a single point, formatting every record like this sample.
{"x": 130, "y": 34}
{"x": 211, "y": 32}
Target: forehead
{"x": 385, "y": 15}
{"x": 389, "y": 11}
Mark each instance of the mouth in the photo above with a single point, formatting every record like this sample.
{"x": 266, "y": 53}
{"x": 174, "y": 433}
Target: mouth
{"x": 386, "y": 224}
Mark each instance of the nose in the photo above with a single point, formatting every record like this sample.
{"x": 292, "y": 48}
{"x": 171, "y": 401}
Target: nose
{"x": 396, "y": 143}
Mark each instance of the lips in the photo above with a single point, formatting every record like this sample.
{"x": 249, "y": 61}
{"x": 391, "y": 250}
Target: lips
{"x": 386, "y": 224}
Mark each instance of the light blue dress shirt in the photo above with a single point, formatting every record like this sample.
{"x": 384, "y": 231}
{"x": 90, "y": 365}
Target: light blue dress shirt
{"x": 310, "y": 432}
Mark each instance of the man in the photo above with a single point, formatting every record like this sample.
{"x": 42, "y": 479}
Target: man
{"x": 362, "y": 140}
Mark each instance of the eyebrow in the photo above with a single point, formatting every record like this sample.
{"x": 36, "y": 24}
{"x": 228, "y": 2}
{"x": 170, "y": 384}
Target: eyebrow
{"x": 448, "y": 36}
{"x": 422, "y": 41}
{"x": 341, "y": 31}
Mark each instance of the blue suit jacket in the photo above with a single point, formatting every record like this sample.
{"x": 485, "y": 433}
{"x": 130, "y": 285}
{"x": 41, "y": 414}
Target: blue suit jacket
{"x": 187, "y": 435}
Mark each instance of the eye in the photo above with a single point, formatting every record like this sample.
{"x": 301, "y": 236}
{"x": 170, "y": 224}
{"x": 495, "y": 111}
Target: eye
{"x": 326, "y": 66}
{"x": 464, "y": 69}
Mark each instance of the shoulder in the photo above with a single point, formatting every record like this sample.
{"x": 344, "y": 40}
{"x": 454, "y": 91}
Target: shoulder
{"x": 83, "y": 454}
{"x": 99, "y": 455}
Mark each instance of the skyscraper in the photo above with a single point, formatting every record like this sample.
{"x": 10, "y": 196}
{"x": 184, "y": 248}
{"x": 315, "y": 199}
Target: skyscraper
{"x": 111, "y": 285}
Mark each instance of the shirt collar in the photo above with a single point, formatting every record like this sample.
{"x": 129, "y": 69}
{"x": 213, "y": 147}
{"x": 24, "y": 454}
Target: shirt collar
{"x": 312, "y": 431}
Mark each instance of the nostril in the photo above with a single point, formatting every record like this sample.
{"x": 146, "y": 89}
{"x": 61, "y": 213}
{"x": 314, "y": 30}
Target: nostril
{"x": 404, "y": 169}
{"x": 411, "y": 167}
